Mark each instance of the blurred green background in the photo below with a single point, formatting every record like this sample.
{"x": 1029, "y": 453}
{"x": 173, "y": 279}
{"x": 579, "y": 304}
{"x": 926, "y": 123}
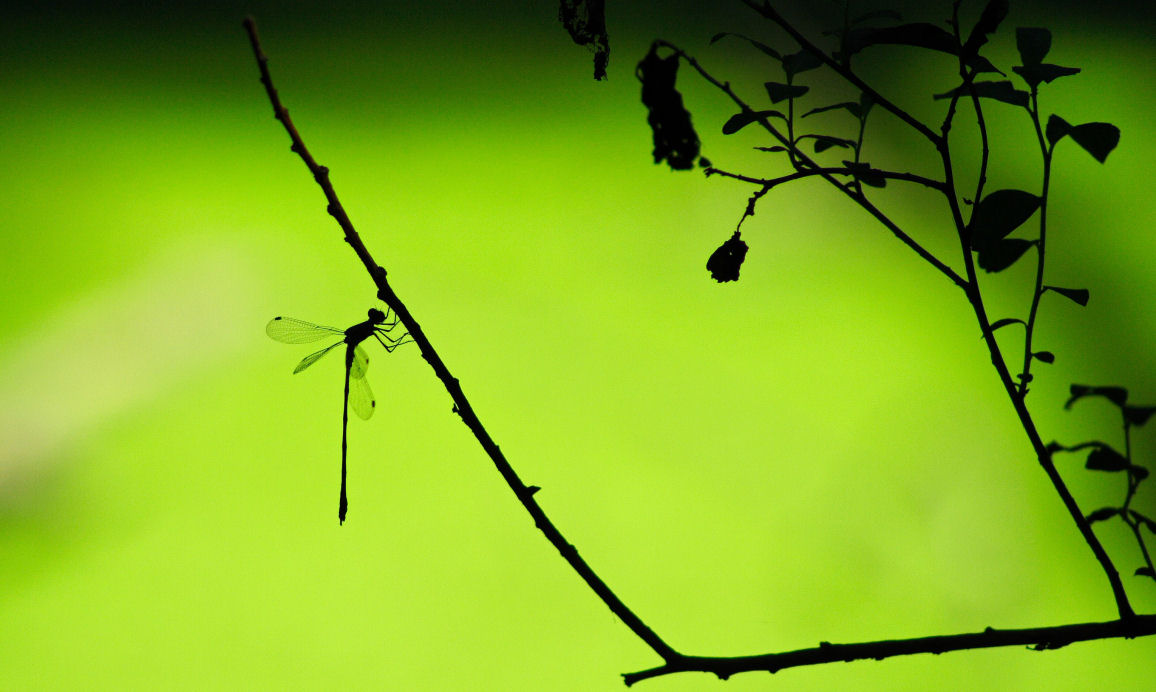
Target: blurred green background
{"x": 818, "y": 452}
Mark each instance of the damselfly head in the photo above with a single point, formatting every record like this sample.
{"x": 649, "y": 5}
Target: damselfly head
{"x": 376, "y": 316}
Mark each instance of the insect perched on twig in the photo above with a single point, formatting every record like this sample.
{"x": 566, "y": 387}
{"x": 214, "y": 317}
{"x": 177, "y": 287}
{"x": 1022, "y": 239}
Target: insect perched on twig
{"x": 357, "y": 392}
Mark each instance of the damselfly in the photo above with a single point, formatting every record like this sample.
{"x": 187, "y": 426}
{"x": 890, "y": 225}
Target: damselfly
{"x": 357, "y": 392}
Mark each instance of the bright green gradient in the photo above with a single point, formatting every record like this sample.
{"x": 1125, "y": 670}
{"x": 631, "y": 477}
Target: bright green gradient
{"x": 818, "y": 452}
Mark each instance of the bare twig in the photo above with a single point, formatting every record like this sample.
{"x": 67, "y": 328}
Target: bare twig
{"x": 524, "y": 493}
{"x": 1038, "y": 638}
{"x": 841, "y": 170}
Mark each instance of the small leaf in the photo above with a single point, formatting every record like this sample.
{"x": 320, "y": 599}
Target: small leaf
{"x": 1044, "y": 72}
{"x": 1000, "y": 91}
{"x": 1033, "y": 44}
{"x": 778, "y": 91}
{"x": 1005, "y": 322}
{"x": 1001, "y": 254}
{"x": 1104, "y": 458}
{"x": 1138, "y": 472}
{"x": 1057, "y": 129}
{"x": 852, "y": 108}
{"x": 989, "y": 20}
{"x": 1102, "y": 514}
{"x": 741, "y": 120}
{"x": 824, "y": 142}
{"x": 865, "y": 174}
{"x": 1098, "y": 139}
{"x": 774, "y": 148}
{"x": 1117, "y": 395}
{"x": 1138, "y": 415}
{"x": 761, "y": 46}
{"x": 724, "y": 262}
{"x": 1145, "y": 572}
{"x": 921, "y": 35}
{"x": 1076, "y": 295}
{"x": 999, "y": 213}
{"x": 1045, "y": 356}
{"x": 802, "y": 61}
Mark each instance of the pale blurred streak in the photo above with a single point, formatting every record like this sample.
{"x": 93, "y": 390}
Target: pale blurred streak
{"x": 111, "y": 351}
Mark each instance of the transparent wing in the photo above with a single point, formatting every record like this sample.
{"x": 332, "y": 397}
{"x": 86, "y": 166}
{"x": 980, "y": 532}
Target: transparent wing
{"x": 360, "y": 363}
{"x": 290, "y": 331}
{"x": 314, "y": 357}
{"x": 361, "y": 396}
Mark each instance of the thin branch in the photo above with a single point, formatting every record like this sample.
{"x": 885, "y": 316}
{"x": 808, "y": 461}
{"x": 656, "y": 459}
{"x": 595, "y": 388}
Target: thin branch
{"x": 810, "y": 163}
{"x": 1018, "y": 402}
{"x": 1038, "y": 638}
{"x": 765, "y": 9}
{"x": 462, "y": 406}
{"x": 840, "y": 170}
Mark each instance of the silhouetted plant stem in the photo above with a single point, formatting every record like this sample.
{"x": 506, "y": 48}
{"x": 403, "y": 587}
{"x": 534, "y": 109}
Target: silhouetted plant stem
{"x": 824, "y": 171}
{"x": 1046, "y": 152}
{"x": 764, "y": 8}
{"x": 462, "y": 406}
{"x": 1038, "y": 638}
{"x": 809, "y": 163}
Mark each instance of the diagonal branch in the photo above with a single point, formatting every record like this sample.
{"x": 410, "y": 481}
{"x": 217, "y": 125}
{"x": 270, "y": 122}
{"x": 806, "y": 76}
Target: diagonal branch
{"x": 524, "y": 493}
{"x": 1038, "y": 638}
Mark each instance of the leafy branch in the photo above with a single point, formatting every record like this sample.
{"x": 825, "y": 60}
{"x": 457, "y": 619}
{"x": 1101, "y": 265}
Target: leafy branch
{"x": 983, "y": 236}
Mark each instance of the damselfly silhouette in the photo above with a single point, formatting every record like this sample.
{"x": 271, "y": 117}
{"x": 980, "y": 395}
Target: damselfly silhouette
{"x": 357, "y": 393}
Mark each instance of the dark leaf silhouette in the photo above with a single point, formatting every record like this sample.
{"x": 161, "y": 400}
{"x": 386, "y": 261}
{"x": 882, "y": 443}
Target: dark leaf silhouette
{"x": 1043, "y": 72}
{"x": 1076, "y": 295}
{"x": 1000, "y": 91}
{"x": 1117, "y": 395}
{"x": 802, "y": 61}
{"x": 1138, "y": 472}
{"x": 778, "y": 91}
{"x": 675, "y": 140}
{"x": 724, "y": 262}
{"x": 1033, "y": 44}
{"x": 741, "y": 120}
{"x": 1138, "y": 415}
{"x": 1102, "y": 514}
{"x": 849, "y": 106}
{"x": 921, "y": 34}
{"x": 586, "y": 22}
{"x": 1045, "y": 356}
{"x": 1057, "y": 129}
{"x": 989, "y": 21}
{"x": 757, "y": 44}
{"x": 1145, "y": 572}
{"x": 998, "y": 214}
{"x": 1001, "y": 254}
{"x": 774, "y": 148}
{"x": 825, "y": 142}
{"x": 1005, "y": 322}
{"x": 1098, "y": 139}
{"x": 1106, "y": 459}
{"x": 865, "y": 174}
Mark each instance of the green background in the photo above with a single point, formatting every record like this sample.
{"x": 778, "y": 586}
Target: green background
{"x": 818, "y": 452}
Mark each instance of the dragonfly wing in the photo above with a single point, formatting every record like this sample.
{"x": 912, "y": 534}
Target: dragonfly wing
{"x": 360, "y": 363}
{"x": 290, "y": 331}
{"x": 314, "y": 357}
{"x": 361, "y": 397}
